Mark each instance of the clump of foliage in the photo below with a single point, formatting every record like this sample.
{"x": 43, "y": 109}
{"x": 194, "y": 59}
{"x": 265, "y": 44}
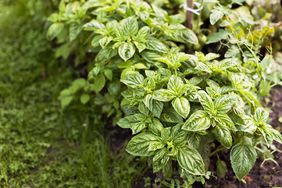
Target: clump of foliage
{"x": 186, "y": 94}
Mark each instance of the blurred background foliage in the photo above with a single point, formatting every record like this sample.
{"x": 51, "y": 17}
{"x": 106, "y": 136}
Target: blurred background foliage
{"x": 42, "y": 146}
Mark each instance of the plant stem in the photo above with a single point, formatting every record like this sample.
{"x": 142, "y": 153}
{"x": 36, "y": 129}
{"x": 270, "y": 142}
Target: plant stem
{"x": 220, "y": 148}
{"x": 189, "y": 14}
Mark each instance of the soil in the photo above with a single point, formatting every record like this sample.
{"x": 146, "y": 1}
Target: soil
{"x": 261, "y": 176}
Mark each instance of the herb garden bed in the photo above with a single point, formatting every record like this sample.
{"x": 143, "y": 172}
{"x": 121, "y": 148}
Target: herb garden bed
{"x": 140, "y": 93}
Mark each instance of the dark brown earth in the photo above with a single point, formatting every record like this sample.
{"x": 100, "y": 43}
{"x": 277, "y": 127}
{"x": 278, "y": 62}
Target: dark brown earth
{"x": 269, "y": 175}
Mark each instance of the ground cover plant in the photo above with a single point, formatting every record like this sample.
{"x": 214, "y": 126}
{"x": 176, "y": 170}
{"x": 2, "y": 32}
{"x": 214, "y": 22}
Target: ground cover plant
{"x": 188, "y": 83}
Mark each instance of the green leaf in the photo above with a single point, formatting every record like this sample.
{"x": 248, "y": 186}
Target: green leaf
{"x": 216, "y": 15}
{"x": 99, "y": 82}
{"x": 92, "y": 25}
{"x": 183, "y": 35}
{"x": 105, "y": 41}
{"x": 136, "y": 123}
{"x": 66, "y": 100}
{"x": 78, "y": 84}
{"x": 201, "y": 67}
{"x": 243, "y": 158}
{"x": 143, "y": 34}
{"x": 178, "y": 135}
{"x": 198, "y": 121}
{"x": 261, "y": 115}
{"x": 247, "y": 126}
{"x": 218, "y": 36}
{"x": 54, "y": 30}
{"x": 206, "y": 101}
{"x": 274, "y": 134}
{"x": 221, "y": 168}
{"x": 126, "y": 50}
{"x": 84, "y": 98}
{"x": 142, "y": 144}
{"x": 224, "y": 103}
{"x": 156, "y": 127}
{"x": 239, "y": 2}
{"x": 182, "y": 106}
{"x": 224, "y": 119}
{"x": 74, "y": 31}
{"x": 140, "y": 46}
{"x": 95, "y": 41}
{"x": 109, "y": 74}
{"x": 129, "y": 26}
{"x": 164, "y": 95}
{"x": 156, "y": 45}
{"x": 160, "y": 160}
{"x": 105, "y": 54}
{"x": 175, "y": 84}
{"x": 194, "y": 139}
{"x": 223, "y": 135}
{"x": 133, "y": 79}
{"x": 170, "y": 116}
{"x": 190, "y": 160}
{"x": 156, "y": 107}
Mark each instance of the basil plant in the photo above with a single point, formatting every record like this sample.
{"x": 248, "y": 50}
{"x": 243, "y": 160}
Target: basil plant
{"x": 186, "y": 94}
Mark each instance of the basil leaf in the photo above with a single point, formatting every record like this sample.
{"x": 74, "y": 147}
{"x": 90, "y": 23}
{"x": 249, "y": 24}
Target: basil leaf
{"x": 143, "y": 34}
{"x": 170, "y": 116}
{"x": 129, "y": 26}
{"x": 182, "y": 106}
{"x": 74, "y": 31}
{"x": 206, "y": 101}
{"x": 156, "y": 107}
{"x": 273, "y": 134}
{"x": 105, "y": 54}
{"x": 105, "y": 41}
{"x": 221, "y": 168}
{"x": 140, "y": 46}
{"x": 156, "y": 127}
{"x": 216, "y": 15}
{"x": 223, "y": 135}
{"x": 261, "y": 115}
{"x": 99, "y": 83}
{"x": 198, "y": 121}
{"x": 218, "y": 36}
{"x": 160, "y": 159}
{"x": 84, "y": 98}
{"x": 243, "y": 158}
{"x": 126, "y": 50}
{"x": 201, "y": 67}
{"x": 92, "y": 25}
{"x": 183, "y": 35}
{"x": 133, "y": 79}
{"x": 54, "y": 30}
{"x": 190, "y": 160}
{"x": 136, "y": 123}
{"x": 179, "y": 136}
{"x": 175, "y": 84}
{"x": 224, "y": 103}
{"x": 224, "y": 119}
{"x": 142, "y": 144}
{"x": 156, "y": 45}
{"x": 164, "y": 95}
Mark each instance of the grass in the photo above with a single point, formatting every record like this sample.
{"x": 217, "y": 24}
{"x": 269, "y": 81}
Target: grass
{"x": 41, "y": 145}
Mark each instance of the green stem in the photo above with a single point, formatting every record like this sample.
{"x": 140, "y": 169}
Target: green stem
{"x": 220, "y": 148}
